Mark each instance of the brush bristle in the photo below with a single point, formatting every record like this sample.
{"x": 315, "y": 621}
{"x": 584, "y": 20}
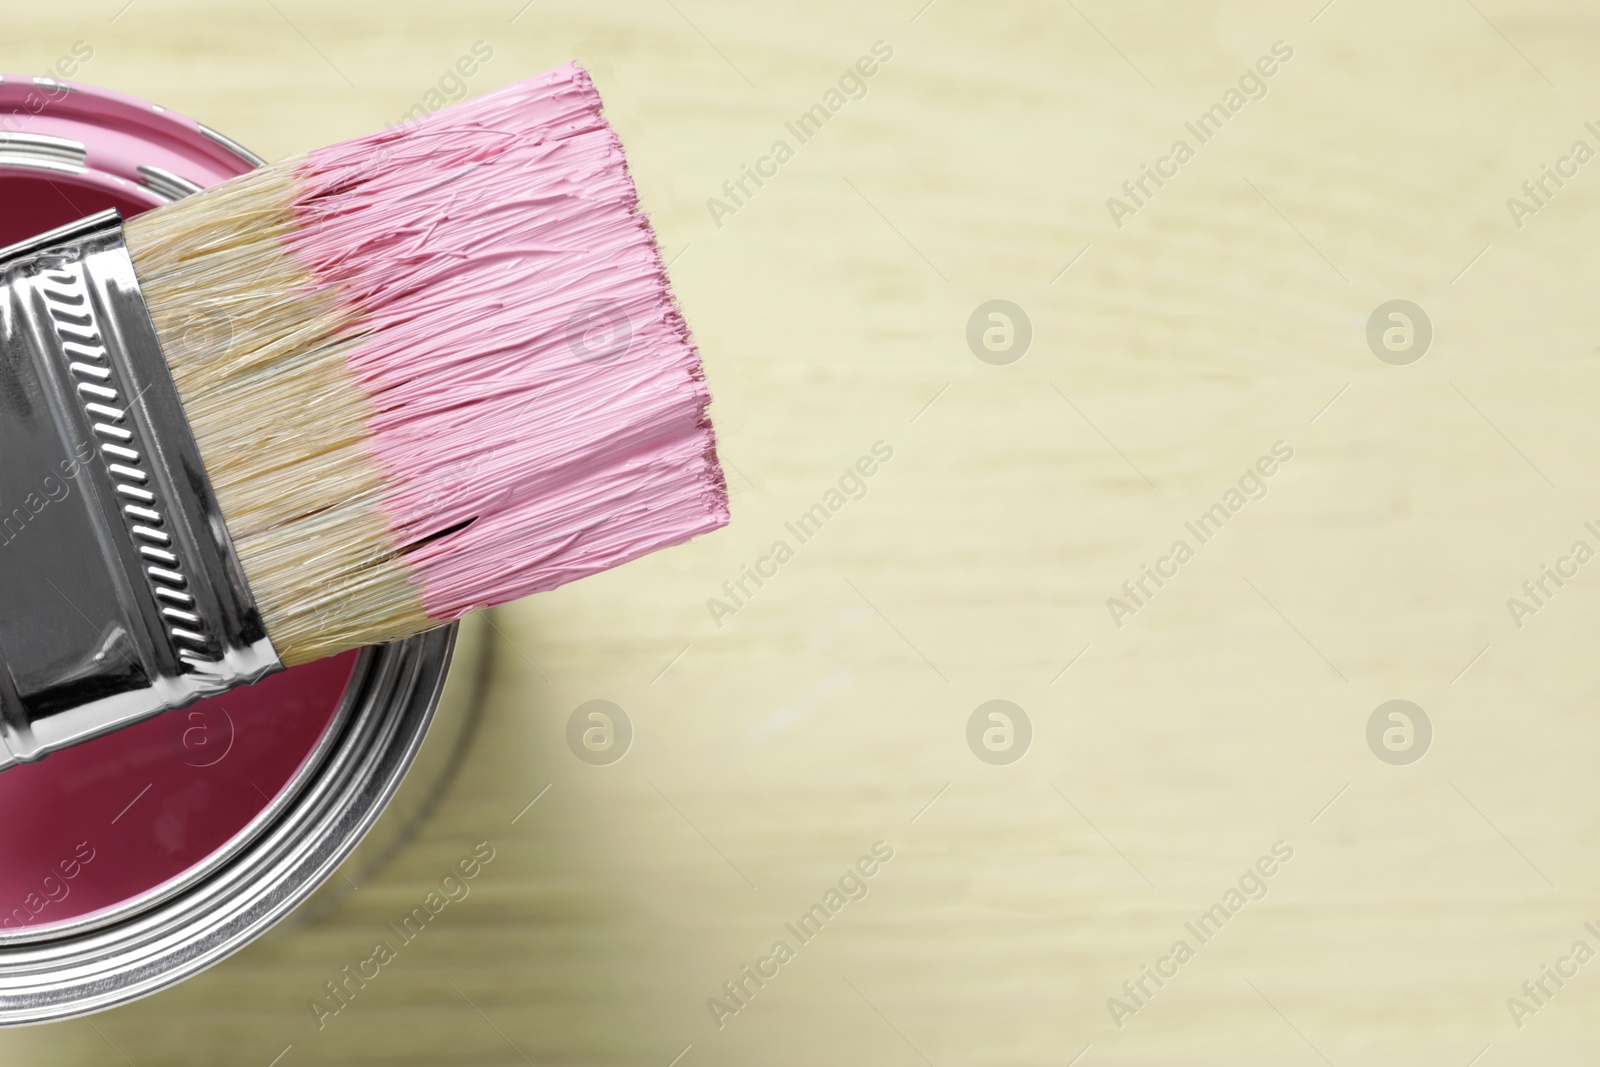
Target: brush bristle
{"x": 433, "y": 369}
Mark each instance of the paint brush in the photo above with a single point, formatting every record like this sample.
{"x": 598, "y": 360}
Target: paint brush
{"x": 337, "y": 401}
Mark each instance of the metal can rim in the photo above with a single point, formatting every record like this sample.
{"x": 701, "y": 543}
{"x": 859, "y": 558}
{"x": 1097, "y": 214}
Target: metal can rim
{"x": 396, "y": 689}
{"x": 295, "y": 844}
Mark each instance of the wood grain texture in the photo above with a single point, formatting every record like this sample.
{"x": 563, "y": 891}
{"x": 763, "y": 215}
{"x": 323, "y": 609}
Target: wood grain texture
{"x": 1228, "y": 313}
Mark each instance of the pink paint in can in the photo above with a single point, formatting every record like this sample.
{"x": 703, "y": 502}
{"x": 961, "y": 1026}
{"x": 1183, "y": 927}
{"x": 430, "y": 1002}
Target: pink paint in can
{"x": 132, "y": 861}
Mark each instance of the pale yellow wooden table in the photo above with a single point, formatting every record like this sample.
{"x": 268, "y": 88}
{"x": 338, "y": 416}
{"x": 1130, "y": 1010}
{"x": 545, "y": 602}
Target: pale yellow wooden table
{"x": 1179, "y": 338}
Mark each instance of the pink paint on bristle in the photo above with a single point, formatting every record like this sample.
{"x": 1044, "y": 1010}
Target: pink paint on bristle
{"x": 530, "y": 371}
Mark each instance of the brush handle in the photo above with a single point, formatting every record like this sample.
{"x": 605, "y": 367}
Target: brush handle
{"x": 121, "y": 595}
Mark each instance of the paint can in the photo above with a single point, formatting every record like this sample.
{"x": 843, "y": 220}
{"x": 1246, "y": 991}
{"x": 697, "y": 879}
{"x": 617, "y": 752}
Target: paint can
{"x": 133, "y": 861}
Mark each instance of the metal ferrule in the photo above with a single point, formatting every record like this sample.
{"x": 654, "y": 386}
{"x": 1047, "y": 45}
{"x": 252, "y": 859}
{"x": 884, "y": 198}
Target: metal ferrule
{"x": 121, "y": 595}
